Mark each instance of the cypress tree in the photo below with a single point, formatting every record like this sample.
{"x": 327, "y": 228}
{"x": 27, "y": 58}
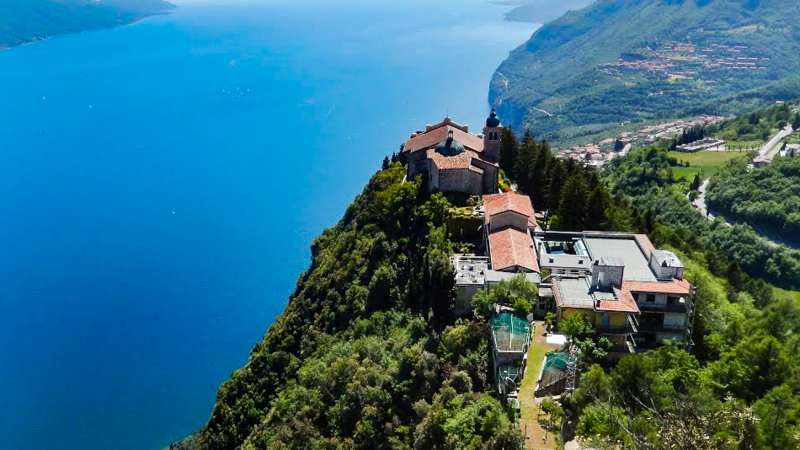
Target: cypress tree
{"x": 572, "y": 206}
{"x": 556, "y": 178}
{"x": 508, "y": 152}
{"x": 539, "y": 179}
{"x": 524, "y": 162}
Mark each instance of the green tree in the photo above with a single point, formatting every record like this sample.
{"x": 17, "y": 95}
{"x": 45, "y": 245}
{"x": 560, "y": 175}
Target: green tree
{"x": 518, "y": 293}
{"x": 572, "y": 208}
{"x": 508, "y": 151}
{"x": 779, "y": 412}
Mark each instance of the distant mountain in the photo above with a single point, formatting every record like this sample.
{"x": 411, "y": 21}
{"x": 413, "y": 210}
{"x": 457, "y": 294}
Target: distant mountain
{"x": 24, "y": 21}
{"x": 541, "y": 11}
{"x": 638, "y": 60}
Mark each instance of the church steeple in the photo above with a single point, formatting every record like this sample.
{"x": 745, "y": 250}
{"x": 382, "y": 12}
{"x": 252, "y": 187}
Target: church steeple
{"x": 492, "y": 137}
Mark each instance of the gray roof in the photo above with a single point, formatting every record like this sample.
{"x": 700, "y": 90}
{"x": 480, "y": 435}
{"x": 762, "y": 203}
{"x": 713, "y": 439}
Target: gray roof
{"x": 665, "y": 256}
{"x": 624, "y": 249}
{"x": 575, "y": 292}
{"x": 611, "y": 261}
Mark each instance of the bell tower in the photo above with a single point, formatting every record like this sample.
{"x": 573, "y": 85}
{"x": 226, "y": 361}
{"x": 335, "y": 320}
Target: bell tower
{"x": 492, "y": 137}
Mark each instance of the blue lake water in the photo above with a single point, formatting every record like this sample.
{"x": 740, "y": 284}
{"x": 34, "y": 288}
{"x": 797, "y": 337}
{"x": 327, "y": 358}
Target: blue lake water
{"x": 160, "y": 185}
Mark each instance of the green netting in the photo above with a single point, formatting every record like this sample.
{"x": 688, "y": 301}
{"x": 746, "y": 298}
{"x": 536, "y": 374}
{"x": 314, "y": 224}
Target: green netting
{"x": 556, "y": 360}
{"x": 510, "y": 333}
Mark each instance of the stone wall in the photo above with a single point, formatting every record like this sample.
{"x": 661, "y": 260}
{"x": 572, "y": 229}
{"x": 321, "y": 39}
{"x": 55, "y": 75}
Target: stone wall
{"x": 460, "y": 180}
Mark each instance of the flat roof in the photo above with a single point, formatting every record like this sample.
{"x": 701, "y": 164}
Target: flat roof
{"x": 469, "y": 269}
{"x": 624, "y": 249}
{"x": 575, "y": 292}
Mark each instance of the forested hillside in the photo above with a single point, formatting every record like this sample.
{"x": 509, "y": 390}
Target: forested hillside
{"x": 767, "y": 196}
{"x": 620, "y": 61}
{"x": 366, "y": 354}
{"x": 646, "y": 178}
{"x": 24, "y": 21}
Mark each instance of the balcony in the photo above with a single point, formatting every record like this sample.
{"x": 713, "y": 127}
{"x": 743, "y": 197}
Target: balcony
{"x": 630, "y": 327}
{"x": 662, "y": 327}
{"x": 666, "y": 307}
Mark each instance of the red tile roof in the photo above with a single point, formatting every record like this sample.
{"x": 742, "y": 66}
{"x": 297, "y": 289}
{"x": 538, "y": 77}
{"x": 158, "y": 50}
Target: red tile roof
{"x": 435, "y": 136}
{"x": 623, "y": 303}
{"x": 677, "y": 287}
{"x": 461, "y": 161}
{"x": 508, "y": 201}
{"x": 510, "y": 248}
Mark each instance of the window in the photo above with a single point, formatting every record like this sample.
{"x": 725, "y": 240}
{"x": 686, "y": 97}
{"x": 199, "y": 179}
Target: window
{"x": 651, "y": 298}
{"x": 672, "y": 300}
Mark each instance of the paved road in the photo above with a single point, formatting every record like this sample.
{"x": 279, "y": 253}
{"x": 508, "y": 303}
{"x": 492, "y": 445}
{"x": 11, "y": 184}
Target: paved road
{"x": 771, "y": 148}
{"x": 700, "y": 201}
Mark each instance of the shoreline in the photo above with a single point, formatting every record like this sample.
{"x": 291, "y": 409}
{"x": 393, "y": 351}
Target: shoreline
{"x": 40, "y": 39}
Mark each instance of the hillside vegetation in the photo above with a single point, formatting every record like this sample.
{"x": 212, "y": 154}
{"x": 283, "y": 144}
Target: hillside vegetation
{"x": 619, "y": 61}
{"x": 767, "y": 196}
{"x": 366, "y": 354}
{"x": 647, "y": 178}
{"x": 24, "y": 21}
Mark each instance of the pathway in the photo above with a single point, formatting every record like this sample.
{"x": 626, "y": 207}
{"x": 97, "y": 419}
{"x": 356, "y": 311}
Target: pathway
{"x": 536, "y": 437}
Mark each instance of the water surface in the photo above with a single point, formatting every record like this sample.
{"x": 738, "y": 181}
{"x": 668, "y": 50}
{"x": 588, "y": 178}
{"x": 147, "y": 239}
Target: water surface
{"x": 160, "y": 185}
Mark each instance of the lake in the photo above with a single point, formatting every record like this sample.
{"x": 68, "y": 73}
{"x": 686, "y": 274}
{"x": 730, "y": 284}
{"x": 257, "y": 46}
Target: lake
{"x": 161, "y": 184}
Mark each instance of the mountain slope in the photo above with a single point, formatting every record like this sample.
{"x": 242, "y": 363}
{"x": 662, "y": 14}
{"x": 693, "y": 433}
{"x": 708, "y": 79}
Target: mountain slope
{"x": 364, "y": 355}
{"x": 542, "y": 11}
{"x": 638, "y": 60}
{"x": 24, "y": 21}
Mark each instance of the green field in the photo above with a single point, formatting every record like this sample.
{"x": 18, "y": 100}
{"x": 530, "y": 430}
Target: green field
{"x": 705, "y": 163}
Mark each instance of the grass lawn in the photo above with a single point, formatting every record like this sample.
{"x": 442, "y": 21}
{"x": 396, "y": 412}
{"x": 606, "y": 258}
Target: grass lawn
{"x": 535, "y": 360}
{"x": 535, "y": 435}
{"x": 704, "y": 163}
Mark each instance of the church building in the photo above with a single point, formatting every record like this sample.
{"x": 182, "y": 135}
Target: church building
{"x": 452, "y": 160}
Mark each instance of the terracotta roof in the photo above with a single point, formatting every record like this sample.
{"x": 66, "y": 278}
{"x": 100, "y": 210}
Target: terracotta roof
{"x": 508, "y": 201}
{"x": 436, "y": 135}
{"x": 509, "y": 248}
{"x": 677, "y": 287}
{"x": 623, "y": 303}
{"x": 461, "y": 161}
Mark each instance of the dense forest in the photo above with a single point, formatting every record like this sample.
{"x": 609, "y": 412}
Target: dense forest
{"x": 573, "y": 195}
{"x": 24, "y": 21}
{"x": 767, "y": 196}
